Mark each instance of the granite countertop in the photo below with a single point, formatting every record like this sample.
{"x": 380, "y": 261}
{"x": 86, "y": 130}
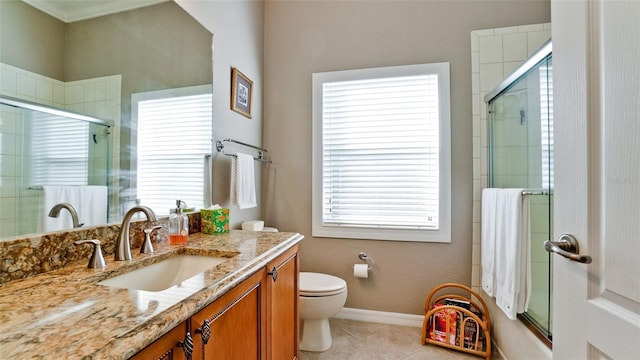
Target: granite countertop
{"x": 65, "y": 314}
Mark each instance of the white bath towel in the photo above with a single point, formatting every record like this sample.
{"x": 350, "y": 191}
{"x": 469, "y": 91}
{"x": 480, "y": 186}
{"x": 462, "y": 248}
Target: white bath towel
{"x": 512, "y": 265}
{"x": 488, "y": 239}
{"x": 510, "y": 244}
{"x": 243, "y": 187}
{"x": 92, "y": 209}
{"x": 53, "y": 195}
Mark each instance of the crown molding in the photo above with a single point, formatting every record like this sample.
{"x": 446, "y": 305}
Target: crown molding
{"x": 74, "y": 10}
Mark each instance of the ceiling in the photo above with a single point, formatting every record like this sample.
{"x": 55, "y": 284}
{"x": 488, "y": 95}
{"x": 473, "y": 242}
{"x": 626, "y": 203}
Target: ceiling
{"x": 76, "y": 10}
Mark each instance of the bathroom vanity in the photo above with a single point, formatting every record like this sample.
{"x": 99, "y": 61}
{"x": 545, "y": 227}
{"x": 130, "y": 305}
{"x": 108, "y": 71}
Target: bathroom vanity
{"x": 257, "y": 319}
{"x": 245, "y": 307}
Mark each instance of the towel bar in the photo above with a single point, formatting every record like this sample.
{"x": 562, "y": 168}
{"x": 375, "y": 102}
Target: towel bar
{"x": 261, "y": 151}
{"x": 534, "y": 192}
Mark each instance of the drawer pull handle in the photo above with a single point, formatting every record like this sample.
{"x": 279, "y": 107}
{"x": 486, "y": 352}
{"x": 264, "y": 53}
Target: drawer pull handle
{"x": 187, "y": 345}
{"x": 205, "y": 330}
{"x": 273, "y": 273}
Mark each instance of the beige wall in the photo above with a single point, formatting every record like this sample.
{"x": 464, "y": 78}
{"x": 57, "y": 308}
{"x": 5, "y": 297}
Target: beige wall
{"x": 237, "y": 28}
{"x": 313, "y": 36}
{"x": 31, "y": 39}
{"x": 154, "y": 48}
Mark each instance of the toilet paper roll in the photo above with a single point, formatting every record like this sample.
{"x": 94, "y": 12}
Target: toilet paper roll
{"x": 361, "y": 270}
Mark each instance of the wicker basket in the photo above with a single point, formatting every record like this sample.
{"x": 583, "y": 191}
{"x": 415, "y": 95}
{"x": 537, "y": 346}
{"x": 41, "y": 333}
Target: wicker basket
{"x": 457, "y": 322}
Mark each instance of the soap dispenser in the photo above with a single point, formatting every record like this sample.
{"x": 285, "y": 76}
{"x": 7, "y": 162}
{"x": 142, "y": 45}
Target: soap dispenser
{"x": 178, "y": 225}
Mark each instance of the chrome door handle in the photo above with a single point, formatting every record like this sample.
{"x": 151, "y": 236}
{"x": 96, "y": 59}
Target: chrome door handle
{"x": 567, "y": 246}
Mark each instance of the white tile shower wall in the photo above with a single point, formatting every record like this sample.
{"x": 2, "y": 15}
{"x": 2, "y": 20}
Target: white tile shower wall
{"x": 26, "y": 85}
{"x": 99, "y": 97}
{"x": 517, "y": 158}
{"x": 8, "y": 169}
{"x": 540, "y": 215}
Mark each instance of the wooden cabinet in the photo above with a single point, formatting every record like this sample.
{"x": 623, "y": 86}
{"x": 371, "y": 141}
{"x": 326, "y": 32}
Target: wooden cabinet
{"x": 168, "y": 347}
{"x": 282, "y": 304}
{"x": 231, "y": 327}
{"x": 257, "y": 319}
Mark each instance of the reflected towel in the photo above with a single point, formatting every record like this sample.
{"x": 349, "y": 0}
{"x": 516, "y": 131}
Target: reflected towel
{"x": 92, "y": 209}
{"x": 53, "y": 195}
{"x": 243, "y": 187}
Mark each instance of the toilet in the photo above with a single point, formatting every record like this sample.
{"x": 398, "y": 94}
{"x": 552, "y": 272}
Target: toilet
{"x": 321, "y": 296}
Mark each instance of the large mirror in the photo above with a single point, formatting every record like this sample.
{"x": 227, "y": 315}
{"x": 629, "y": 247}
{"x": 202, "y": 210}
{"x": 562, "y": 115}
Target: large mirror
{"x": 141, "y": 70}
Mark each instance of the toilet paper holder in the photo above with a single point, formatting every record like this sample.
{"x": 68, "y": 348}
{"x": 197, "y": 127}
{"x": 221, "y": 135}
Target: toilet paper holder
{"x": 369, "y": 260}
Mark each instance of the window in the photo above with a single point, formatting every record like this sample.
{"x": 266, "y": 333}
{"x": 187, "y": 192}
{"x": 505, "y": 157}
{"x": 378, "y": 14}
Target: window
{"x": 381, "y": 153}
{"x": 174, "y": 138}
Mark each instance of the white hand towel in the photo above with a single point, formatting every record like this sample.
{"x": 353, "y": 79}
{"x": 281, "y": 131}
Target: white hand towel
{"x": 512, "y": 252}
{"x": 208, "y": 181}
{"x": 54, "y": 195}
{"x": 92, "y": 209}
{"x": 488, "y": 238}
{"x": 243, "y": 188}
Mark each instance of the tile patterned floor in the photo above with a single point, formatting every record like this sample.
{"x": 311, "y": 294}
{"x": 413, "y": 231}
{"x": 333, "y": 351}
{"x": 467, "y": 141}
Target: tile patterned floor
{"x": 356, "y": 340}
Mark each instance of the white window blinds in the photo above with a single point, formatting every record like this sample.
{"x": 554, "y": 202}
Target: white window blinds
{"x": 60, "y": 150}
{"x": 546, "y": 117}
{"x": 174, "y": 136}
{"x": 381, "y": 153}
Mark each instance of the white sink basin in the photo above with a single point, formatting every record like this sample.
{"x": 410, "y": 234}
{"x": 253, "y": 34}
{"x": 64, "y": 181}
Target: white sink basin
{"x": 164, "y": 274}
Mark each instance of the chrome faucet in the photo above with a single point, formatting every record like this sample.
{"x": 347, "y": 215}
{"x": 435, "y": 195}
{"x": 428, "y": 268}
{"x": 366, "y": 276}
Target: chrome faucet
{"x": 122, "y": 249}
{"x": 55, "y": 211}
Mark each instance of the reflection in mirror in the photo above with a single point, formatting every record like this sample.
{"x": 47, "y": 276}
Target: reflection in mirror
{"x": 173, "y": 146}
{"x": 95, "y": 67}
{"x": 56, "y": 147}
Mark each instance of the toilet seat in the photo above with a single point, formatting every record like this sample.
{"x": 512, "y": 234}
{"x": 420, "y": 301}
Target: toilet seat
{"x": 317, "y": 284}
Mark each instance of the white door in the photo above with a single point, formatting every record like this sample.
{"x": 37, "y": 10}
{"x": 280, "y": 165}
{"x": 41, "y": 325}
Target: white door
{"x": 596, "y": 70}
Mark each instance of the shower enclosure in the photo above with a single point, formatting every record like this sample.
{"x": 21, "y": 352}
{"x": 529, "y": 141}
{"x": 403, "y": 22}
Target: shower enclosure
{"x": 520, "y": 134}
{"x": 43, "y": 145}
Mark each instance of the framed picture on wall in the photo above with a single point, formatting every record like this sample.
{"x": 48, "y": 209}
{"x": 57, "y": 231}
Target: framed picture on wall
{"x": 241, "y": 93}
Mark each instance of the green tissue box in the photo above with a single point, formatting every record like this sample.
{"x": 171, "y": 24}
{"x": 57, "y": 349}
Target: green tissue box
{"x": 215, "y": 221}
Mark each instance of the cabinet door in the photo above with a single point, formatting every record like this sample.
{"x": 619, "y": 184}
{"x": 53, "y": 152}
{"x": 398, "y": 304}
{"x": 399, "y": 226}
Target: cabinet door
{"x": 282, "y": 303}
{"x": 231, "y": 327}
{"x": 169, "y": 346}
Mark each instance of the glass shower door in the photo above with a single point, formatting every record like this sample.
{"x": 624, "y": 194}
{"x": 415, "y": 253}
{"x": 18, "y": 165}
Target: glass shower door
{"x": 521, "y": 156}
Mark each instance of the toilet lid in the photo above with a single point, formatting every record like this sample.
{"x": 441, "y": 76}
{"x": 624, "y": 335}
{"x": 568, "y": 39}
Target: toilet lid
{"x": 317, "y": 284}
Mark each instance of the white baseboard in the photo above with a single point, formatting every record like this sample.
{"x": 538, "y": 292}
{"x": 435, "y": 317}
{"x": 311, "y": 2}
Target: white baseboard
{"x": 380, "y": 317}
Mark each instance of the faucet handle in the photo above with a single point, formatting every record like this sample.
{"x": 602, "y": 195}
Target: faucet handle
{"x": 147, "y": 247}
{"x": 96, "y": 260}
